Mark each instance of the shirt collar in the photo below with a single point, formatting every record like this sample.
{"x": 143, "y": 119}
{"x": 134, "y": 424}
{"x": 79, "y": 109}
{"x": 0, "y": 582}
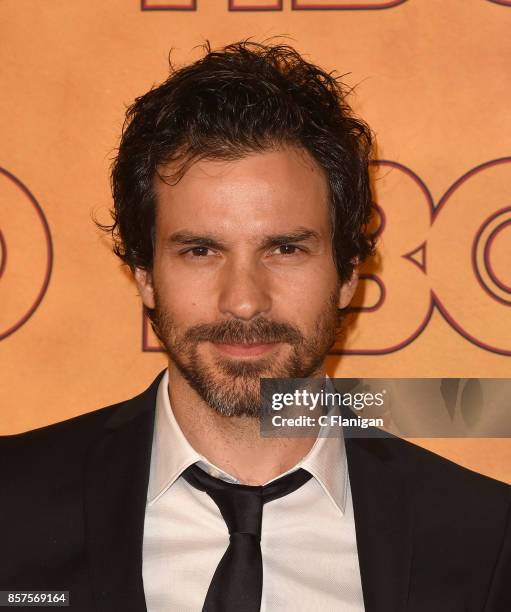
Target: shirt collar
{"x": 172, "y": 454}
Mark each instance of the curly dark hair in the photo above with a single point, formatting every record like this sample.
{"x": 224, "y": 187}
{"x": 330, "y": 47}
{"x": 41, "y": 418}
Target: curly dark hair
{"x": 246, "y": 97}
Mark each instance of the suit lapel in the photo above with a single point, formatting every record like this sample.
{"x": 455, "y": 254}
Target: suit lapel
{"x": 115, "y": 500}
{"x": 381, "y": 504}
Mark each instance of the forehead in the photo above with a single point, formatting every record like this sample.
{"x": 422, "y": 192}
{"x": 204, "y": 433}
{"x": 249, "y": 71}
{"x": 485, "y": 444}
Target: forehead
{"x": 267, "y": 191}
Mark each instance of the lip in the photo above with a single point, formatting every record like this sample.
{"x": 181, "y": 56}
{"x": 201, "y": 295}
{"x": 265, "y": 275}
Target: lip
{"x": 245, "y": 350}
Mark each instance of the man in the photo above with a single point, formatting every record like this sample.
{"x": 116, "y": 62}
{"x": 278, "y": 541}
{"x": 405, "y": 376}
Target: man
{"x": 241, "y": 205}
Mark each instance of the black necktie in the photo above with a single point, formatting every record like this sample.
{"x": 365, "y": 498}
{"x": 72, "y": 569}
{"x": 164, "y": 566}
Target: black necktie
{"x": 238, "y": 580}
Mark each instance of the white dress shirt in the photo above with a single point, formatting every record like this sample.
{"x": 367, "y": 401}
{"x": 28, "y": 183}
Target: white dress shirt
{"x": 308, "y": 543}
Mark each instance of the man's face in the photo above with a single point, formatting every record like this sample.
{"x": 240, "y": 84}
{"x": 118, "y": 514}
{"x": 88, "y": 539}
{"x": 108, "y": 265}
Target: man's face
{"x": 243, "y": 283}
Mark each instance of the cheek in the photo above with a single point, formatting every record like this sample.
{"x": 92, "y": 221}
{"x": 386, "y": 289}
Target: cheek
{"x": 183, "y": 297}
{"x": 304, "y": 305}
{"x": 309, "y": 288}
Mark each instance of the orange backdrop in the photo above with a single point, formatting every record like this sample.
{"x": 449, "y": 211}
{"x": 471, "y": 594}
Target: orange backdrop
{"x": 433, "y": 80}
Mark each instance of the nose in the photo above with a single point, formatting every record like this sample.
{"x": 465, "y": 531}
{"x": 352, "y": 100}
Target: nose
{"x": 244, "y": 292}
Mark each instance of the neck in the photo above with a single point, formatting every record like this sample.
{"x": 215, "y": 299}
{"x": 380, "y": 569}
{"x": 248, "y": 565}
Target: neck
{"x": 234, "y": 444}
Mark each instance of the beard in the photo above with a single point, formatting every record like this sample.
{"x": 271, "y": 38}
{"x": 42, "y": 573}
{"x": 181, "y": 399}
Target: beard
{"x": 231, "y": 387}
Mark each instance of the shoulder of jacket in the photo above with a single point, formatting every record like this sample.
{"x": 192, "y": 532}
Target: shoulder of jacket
{"x": 83, "y": 426}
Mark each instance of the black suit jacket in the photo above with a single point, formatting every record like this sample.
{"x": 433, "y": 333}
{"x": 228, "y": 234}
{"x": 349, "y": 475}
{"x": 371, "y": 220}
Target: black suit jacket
{"x": 431, "y": 536}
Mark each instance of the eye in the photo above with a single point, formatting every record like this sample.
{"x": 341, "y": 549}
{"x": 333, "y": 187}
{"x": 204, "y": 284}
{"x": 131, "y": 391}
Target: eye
{"x": 287, "y": 249}
{"x": 198, "y": 251}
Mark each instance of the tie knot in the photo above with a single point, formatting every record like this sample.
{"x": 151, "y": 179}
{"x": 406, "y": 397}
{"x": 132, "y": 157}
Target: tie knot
{"x": 241, "y": 505}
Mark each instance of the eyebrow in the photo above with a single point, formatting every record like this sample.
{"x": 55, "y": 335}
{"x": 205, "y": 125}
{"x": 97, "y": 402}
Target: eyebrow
{"x": 185, "y": 237}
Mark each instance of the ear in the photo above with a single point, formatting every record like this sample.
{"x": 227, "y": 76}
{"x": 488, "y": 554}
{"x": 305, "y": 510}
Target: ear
{"x": 144, "y": 281}
{"x": 347, "y": 290}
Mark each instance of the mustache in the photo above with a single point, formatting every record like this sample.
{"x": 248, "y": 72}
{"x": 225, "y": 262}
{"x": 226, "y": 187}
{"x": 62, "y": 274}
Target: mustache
{"x": 259, "y": 331}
